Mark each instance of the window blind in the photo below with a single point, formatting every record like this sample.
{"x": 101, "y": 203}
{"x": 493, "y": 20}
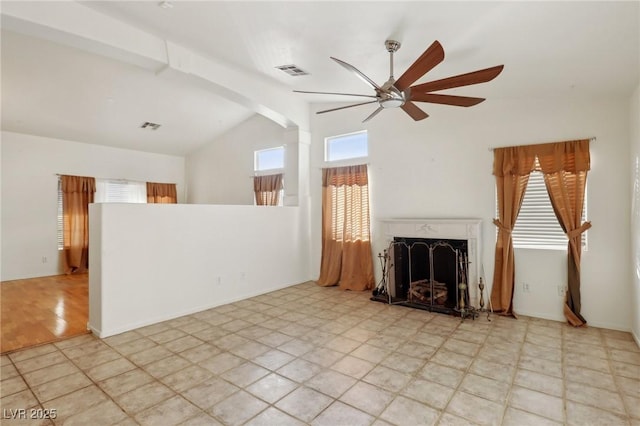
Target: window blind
{"x": 537, "y": 226}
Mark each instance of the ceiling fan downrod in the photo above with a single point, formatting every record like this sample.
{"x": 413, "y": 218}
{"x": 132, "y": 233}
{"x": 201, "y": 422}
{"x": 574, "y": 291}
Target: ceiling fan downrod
{"x": 392, "y": 47}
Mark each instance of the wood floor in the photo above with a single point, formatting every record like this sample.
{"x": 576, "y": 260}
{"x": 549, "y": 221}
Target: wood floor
{"x": 41, "y": 310}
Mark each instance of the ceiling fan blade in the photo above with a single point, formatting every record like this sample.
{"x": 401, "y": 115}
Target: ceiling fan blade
{"x": 343, "y": 107}
{"x": 358, "y": 73}
{"x": 334, "y": 93}
{"x": 475, "y": 77}
{"x": 434, "y": 98}
{"x": 373, "y": 114}
{"x": 413, "y": 110}
{"x": 425, "y": 63}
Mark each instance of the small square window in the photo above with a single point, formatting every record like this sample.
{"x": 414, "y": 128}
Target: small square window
{"x": 345, "y": 147}
{"x": 269, "y": 159}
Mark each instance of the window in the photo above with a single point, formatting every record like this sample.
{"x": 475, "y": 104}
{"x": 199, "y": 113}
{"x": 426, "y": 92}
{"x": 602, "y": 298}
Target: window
{"x": 537, "y": 226}
{"x": 269, "y": 159}
{"x": 120, "y": 191}
{"x": 107, "y": 191}
{"x": 345, "y": 147}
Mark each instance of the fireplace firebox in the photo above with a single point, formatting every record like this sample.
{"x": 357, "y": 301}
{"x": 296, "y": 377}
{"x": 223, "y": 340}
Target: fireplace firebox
{"x": 430, "y": 264}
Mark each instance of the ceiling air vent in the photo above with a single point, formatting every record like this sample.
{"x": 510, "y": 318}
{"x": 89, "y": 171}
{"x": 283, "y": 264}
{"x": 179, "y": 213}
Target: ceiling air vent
{"x": 149, "y": 125}
{"x": 292, "y": 70}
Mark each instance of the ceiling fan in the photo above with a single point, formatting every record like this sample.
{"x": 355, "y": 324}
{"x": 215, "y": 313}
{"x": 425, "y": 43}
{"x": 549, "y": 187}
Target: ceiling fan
{"x": 399, "y": 93}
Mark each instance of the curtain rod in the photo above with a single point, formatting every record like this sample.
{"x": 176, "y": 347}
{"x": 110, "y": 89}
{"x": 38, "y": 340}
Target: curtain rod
{"x": 116, "y": 179}
{"x": 591, "y": 139}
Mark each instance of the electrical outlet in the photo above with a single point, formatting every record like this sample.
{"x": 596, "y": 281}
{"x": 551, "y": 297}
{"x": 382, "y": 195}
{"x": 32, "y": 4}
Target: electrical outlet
{"x": 44, "y": 259}
{"x": 526, "y": 288}
{"x": 562, "y": 289}
{"x": 218, "y": 280}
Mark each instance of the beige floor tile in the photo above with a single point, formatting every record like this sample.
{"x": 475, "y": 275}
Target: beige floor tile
{"x": 110, "y": 369}
{"x": 272, "y": 387}
{"x": 271, "y": 417}
{"x": 625, "y": 356}
{"x": 595, "y": 397}
{"x": 476, "y": 409}
{"x": 304, "y": 403}
{"x": 404, "y": 411}
{"x": 227, "y": 411}
{"x": 515, "y": 417}
{"x": 331, "y": 383}
{"x": 12, "y": 385}
{"x": 106, "y": 413}
{"x": 201, "y": 419}
{"x": 446, "y": 376}
{"x": 186, "y": 378}
{"x": 537, "y": 403}
{"x": 371, "y": 353}
{"x": 245, "y": 374}
{"x": 167, "y": 336}
{"x": 342, "y": 344}
{"x": 299, "y": 370}
{"x": 143, "y": 397}
{"x": 84, "y": 349}
{"x": 342, "y": 414}
{"x": 38, "y": 377}
{"x": 387, "y": 378}
{"x": 200, "y": 353}
{"x": 587, "y": 361}
{"x": 448, "y": 419}
{"x": 368, "y": 398}
{"x": 19, "y": 400}
{"x": 250, "y": 350}
{"x": 539, "y": 382}
{"x": 352, "y": 366}
{"x": 95, "y": 359}
{"x": 492, "y": 370}
{"x": 76, "y": 402}
{"x": 484, "y": 387}
{"x": 626, "y": 370}
{"x": 134, "y": 346}
{"x": 583, "y": 415}
{"x": 273, "y": 359}
{"x": 323, "y": 356}
{"x": 632, "y": 405}
{"x": 210, "y": 392}
{"x": 30, "y": 353}
{"x": 147, "y": 356}
{"x": 166, "y": 366}
{"x": 417, "y": 350}
{"x": 542, "y": 366}
{"x": 62, "y": 386}
{"x": 430, "y": 393}
{"x": 590, "y": 377}
{"x": 403, "y": 363}
{"x": 170, "y": 412}
{"x": 125, "y": 382}
{"x": 452, "y": 359}
{"x": 40, "y": 361}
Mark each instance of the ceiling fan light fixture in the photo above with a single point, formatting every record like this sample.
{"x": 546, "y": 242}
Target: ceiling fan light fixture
{"x": 391, "y": 102}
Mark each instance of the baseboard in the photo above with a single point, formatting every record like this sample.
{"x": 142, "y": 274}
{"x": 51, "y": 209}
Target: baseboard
{"x": 636, "y": 338}
{"x": 123, "y": 329}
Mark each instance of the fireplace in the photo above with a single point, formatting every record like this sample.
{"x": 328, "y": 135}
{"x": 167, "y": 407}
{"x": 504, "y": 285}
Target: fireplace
{"x": 428, "y": 259}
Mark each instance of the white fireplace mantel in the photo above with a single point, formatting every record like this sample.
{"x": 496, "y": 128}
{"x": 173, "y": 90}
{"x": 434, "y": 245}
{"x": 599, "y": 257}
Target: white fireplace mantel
{"x": 449, "y": 229}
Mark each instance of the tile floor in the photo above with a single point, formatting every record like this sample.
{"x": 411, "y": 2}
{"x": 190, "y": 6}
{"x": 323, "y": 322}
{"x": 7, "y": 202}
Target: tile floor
{"x": 322, "y": 356}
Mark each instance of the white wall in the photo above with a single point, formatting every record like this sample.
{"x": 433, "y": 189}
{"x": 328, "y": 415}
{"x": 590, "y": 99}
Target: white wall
{"x": 219, "y": 172}
{"x": 441, "y": 168}
{"x": 30, "y": 185}
{"x": 635, "y": 212}
{"x": 163, "y": 261}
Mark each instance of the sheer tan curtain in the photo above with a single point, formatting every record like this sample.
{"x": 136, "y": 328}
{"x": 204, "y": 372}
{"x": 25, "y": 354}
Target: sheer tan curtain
{"x": 511, "y": 167}
{"x": 77, "y": 194}
{"x": 267, "y": 189}
{"x": 346, "y": 241}
{"x": 565, "y": 166}
{"x": 162, "y": 193}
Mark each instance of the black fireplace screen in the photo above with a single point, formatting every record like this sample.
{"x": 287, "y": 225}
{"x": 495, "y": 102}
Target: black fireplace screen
{"x": 428, "y": 271}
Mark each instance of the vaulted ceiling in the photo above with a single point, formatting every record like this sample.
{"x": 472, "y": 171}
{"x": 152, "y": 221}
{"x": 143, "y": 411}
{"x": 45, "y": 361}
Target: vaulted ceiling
{"x": 59, "y": 84}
